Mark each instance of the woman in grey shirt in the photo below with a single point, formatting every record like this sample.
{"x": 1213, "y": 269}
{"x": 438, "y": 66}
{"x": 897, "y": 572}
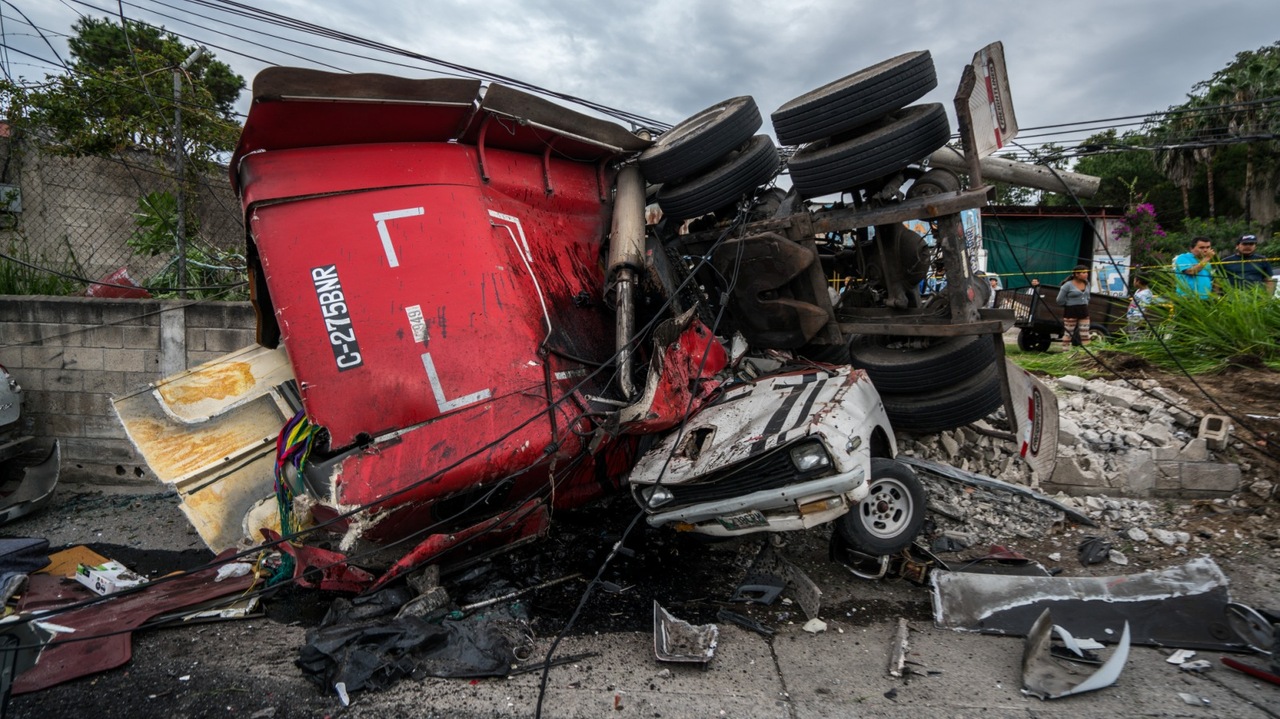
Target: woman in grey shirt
{"x": 1073, "y": 296}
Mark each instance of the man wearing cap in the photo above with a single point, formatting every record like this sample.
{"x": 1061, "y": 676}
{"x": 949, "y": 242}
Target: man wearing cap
{"x": 1242, "y": 270}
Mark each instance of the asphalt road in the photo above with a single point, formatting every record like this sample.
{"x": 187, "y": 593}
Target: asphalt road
{"x": 245, "y": 668}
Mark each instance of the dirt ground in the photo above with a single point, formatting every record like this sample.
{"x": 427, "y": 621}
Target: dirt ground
{"x": 246, "y": 668}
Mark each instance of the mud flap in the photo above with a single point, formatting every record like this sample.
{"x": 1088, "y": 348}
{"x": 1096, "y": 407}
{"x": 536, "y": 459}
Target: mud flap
{"x": 210, "y": 432}
{"x": 1035, "y": 419}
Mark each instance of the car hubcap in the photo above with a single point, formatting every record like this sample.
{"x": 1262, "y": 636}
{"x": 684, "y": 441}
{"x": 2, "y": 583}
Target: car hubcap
{"x": 888, "y": 510}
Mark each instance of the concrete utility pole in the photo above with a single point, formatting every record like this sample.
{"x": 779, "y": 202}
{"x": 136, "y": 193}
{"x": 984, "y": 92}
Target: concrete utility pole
{"x": 178, "y": 156}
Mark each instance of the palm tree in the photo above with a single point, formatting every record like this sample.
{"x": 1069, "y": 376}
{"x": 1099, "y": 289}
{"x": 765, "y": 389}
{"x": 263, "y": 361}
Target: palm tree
{"x": 1239, "y": 90}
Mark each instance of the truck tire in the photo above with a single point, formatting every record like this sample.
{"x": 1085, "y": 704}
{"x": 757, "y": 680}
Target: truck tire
{"x": 934, "y": 182}
{"x": 738, "y": 173}
{"x": 855, "y": 100}
{"x": 697, "y": 142}
{"x": 903, "y": 137}
{"x": 968, "y": 401}
{"x": 947, "y": 362}
{"x": 888, "y": 520}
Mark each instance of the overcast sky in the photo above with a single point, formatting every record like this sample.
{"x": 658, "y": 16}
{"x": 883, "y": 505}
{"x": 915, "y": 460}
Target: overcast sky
{"x": 1070, "y": 61}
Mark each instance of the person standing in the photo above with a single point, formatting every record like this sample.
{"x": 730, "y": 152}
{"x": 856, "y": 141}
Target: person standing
{"x": 1243, "y": 271}
{"x": 1191, "y": 269}
{"x": 1073, "y": 297}
{"x": 1136, "y": 315}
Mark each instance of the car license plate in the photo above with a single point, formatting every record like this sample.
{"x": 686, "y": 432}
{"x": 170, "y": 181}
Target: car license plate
{"x": 744, "y": 520}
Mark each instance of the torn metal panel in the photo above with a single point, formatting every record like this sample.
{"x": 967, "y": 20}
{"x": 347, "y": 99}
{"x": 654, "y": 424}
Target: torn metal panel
{"x": 946, "y": 471}
{"x": 1049, "y": 677}
{"x": 770, "y": 567}
{"x": 210, "y": 432}
{"x": 675, "y": 640}
{"x": 1177, "y": 607}
{"x": 686, "y": 356}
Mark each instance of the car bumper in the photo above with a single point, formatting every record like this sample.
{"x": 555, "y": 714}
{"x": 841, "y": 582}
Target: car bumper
{"x": 796, "y": 506}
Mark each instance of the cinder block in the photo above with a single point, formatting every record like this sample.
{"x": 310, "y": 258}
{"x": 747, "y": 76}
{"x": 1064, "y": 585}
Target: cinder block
{"x": 62, "y": 380}
{"x": 1168, "y": 477}
{"x": 195, "y": 339}
{"x": 83, "y": 358}
{"x": 105, "y": 382}
{"x": 1216, "y": 431}
{"x": 229, "y": 340}
{"x": 87, "y": 312}
{"x": 103, "y": 427}
{"x": 109, "y": 336}
{"x": 126, "y": 360}
{"x": 127, "y": 313}
{"x": 1211, "y": 477}
{"x": 43, "y": 357}
{"x": 11, "y": 357}
{"x": 1197, "y": 450}
{"x": 79, "y": 450}
{"x": 136, "y": 337}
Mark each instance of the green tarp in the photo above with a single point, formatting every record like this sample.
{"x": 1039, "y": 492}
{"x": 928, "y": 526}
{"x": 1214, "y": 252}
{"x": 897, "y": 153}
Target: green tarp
{"x": 1045, "y": 248}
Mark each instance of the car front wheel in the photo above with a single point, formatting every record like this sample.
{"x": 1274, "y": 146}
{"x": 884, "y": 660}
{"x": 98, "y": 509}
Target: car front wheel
{"x": 890, "y": 517}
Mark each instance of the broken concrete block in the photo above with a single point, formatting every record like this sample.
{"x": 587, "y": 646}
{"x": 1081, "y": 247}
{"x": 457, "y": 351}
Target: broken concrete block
{"x": 1197, "y": 450}
{"x": 1071, "y": 382}
{"x": 1158, "y": 433}
{"x": 1122, "y": 398}
{"x": 1166, "y": 453}
{"x": 1262, "y": 488}
{"x": 1182, "y": 417}
{"x": 1215, "y": 430}
{"x": 1068, "y": 431}
{"x": 951, "y": 446}
{"x": 1139, "y": 473}
{"x": 1164, "y": 537}
{"x": 1137, "y": 535}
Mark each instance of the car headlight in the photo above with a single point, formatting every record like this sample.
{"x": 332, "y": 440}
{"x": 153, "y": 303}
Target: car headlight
{"x": 657, "y": 496}
{"x": 809, "y": 456}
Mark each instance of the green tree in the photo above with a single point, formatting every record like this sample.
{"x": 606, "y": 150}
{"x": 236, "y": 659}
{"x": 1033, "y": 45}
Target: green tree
{"x": 117, "y": 93}
{"x": 1127, "y": 168}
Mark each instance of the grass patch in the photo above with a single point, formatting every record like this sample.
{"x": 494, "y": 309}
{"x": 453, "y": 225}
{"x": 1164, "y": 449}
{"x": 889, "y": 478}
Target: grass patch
{"x": 1056, "y": 364}
{"x": 17, "y": 278}
{"x": 1236, "y": 327}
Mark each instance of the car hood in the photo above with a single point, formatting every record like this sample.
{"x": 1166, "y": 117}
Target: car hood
{"x": 753, "y": 418}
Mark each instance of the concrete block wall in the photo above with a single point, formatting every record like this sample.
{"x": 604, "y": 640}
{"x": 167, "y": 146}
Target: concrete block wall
{"x": 72, "y": 354}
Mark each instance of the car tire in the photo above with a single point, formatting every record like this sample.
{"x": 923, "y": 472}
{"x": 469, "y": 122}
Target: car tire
{"x": 855, "y": 100}
{"x": 927, "y": 412}
{"x": 1030, "y": 340}
{"x": 700, "y": 140}
{"x": 890, "y": 517}
{"x": 738, "y": 173}
{"x": 903, "y": 137}
{"x": 934, "y": 182}
{"x": 945, "y": 363}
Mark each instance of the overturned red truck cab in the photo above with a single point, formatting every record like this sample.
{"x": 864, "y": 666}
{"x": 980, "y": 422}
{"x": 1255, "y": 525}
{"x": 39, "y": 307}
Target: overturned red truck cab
{"x": 463, "y": 326}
